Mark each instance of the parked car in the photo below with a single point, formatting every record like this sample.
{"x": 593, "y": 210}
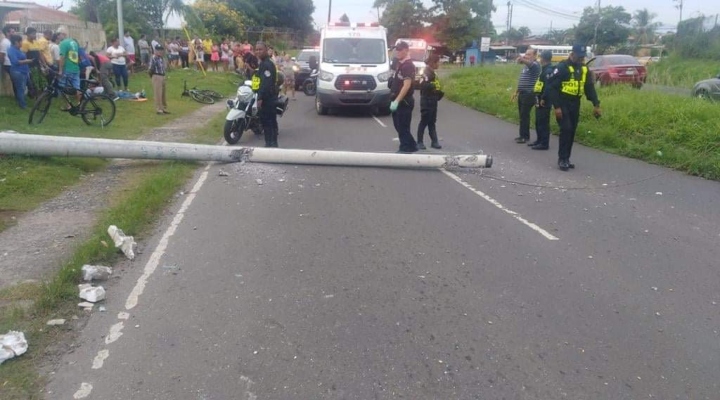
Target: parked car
{"x": 499, "y": 59}
{"x": 617, "y": 68}
{"x": 708, "y": 89}
{"x": 444, "y": 59}
{"x": 303, "y": 70}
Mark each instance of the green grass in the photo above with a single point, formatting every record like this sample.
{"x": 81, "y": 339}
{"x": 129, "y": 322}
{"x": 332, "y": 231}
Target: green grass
{"x": 212, "y": 132}
{"x": 675, "y": 131}
{"x": 141, "y": 199}
{"x": 30, "y": 181}
{"x": 681, "y": 72}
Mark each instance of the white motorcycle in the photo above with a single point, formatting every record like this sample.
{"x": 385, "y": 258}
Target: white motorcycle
{"x": 243, "y": 114}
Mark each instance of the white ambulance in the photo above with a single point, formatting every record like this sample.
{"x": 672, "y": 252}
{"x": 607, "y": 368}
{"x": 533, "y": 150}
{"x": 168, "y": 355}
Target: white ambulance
{"x": 419, "y": 52}
{"x": 354, "y": 68}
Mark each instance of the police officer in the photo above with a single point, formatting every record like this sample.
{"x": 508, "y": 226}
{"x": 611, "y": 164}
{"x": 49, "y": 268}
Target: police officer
{"x": 403, "y": 102}
{"x": 567, "y": 84}
{"x": 430, "y": 94}
{"x": 543, "y": 106}
{"x": 264, "y": 82}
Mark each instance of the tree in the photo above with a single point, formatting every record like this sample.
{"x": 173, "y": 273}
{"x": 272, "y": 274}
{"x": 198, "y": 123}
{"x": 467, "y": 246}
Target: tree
{"x": 219, "y": 19}
{"x": 560, "y": 37}
{"x": 344, "y": 18}
{"x": 612, "y": 25}
{"x": 455, "y": 22}
{"x": 105, "y": 11}
{"x": 644, "y": 26}
{"x": 402, "y": 18}
{"x": 158, "y": 11}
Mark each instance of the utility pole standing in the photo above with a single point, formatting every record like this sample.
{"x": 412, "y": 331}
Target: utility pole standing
{"x": 121, "y": 29}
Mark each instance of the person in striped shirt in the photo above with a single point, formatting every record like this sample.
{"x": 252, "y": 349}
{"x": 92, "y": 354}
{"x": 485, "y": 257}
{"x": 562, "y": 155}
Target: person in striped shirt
{"x": 525, "y": 93}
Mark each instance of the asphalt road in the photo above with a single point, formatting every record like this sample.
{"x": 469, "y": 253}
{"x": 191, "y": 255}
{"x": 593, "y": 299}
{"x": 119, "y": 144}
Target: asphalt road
{"x": 347, "y": 283}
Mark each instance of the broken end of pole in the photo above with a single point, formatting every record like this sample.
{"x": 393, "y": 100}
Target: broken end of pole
{"x": 488, "y": 162}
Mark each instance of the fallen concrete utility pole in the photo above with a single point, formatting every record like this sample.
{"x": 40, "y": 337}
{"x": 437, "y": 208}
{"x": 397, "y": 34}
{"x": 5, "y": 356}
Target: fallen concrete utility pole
{"x": 39, "y": 145}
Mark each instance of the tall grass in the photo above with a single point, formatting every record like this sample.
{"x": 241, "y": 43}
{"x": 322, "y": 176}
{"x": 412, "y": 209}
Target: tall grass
{"x": 681, "y": 72}
{"x": 666, "y": 129}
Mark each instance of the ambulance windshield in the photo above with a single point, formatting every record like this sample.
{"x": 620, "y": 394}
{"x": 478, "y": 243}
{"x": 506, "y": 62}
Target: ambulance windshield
{"x": 354, "y": 51}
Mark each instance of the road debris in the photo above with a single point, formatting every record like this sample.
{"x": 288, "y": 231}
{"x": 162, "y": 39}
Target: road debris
{"x": 259, "y": 181}
{"x": 223, "y": 173}
{"x": 12, "y": 344}
{"x": 55, "y": 322}
{"x": 91, "y": 293}
{"x": 654, "y": 288}
{"x": 124, "y": 243}
{"x": 95, "y": 272}
{"x": 86, "y": 305}
{"x": 658, "y": 193}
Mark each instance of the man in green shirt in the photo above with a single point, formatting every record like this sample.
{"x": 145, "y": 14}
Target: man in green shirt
{"x": 68, "y": 65}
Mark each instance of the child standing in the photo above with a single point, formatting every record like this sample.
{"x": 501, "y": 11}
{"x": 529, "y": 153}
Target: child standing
{"x": 430, "y": 94}
{"x": 215, "y": 56}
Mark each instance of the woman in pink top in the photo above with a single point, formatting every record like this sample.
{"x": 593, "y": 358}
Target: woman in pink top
{"x": 215, "y": 56}
{"x": 225, "y": 54}
{"x": 104, "y": 68}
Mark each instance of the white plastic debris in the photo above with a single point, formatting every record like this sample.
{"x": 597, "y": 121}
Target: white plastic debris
{"x": 91, "y": 293}
{"x": 223, "y": 173}
{"x": 658, "y": 193}
{"x": 259, "y": 181}
{"x": 12, "y": 344}
{"x": 86, "y": 305}
{"x": 96, "y": 272}
{"x": 124, "y": 243}
{"x": 54, "y": 322}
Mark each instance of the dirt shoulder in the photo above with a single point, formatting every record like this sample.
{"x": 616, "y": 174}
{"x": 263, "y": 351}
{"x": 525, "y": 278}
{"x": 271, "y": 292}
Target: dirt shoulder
{"x": 41, "y": 239}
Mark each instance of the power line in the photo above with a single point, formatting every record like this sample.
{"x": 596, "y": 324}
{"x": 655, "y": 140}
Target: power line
{"x": 547, "y": 11}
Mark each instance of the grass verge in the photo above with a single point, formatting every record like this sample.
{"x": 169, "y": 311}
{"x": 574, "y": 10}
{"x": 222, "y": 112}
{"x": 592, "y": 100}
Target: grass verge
{"x": 25, "y": 182}
{"x": 660, "y": 128}
{"x": 681, "y": 72}
{"x": 27, "y": 307}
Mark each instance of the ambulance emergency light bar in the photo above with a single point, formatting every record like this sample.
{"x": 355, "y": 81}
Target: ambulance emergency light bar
{"x": 355, "y": 25}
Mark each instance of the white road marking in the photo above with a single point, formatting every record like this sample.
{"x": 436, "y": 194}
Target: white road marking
{"x": 379, "y": 122}
{"x": 115, "y": 332}
{"x": 497, "y": 204}
{"x": 152, "y": 263}
{"x": 100, "y": 358}
{"x": 84, "y": 391}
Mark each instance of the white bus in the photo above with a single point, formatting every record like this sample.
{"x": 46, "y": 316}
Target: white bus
{"x": 354, "y": 67}
{"x": 561, "y": 52}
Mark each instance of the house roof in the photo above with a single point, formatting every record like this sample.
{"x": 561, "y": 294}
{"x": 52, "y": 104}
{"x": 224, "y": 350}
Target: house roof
{"x": 37, "y": 13}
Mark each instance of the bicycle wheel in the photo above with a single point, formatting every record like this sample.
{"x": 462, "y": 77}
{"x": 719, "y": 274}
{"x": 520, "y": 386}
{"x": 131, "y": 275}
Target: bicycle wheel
{"x": 40, "y": 109}
{"x": 98, "y": 110}
{"x": 212, "y": 93}
{"x": 201, "y": 98}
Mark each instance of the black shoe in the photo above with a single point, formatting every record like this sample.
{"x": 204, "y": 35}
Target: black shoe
{"x": 520, "y": 140}
{"x": 532, "y": 143}
{"x": 401, "y": 151}
{"x": 563, "y": 165}
{"x": 540, "y": 147}
{"x": 435, "y": 145}
{"x": 421, "y": 146}
{"x": 571, "y": 165}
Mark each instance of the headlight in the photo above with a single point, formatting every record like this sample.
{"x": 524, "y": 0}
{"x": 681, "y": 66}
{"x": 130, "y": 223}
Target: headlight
{"x": 296, "y": 68}
{"x": 421, "y": 70}
{"x": 385, "y": 76}
{"x": 326, "y": 76}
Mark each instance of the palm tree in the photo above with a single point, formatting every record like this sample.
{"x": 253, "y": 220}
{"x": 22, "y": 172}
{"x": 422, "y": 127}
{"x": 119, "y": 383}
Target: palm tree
{"x": 644, "y": 26}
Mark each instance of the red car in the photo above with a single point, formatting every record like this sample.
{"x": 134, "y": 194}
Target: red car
{"x": 618, "y": 68}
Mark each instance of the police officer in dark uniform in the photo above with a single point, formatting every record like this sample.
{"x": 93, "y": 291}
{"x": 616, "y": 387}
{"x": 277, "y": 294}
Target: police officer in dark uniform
{"x": 567, "y": 84}
{"x": 543, "y": 105}
{"x": 264, "y": 82}
{"x": 430, "y": 94}
{"x": 403, "y": 101}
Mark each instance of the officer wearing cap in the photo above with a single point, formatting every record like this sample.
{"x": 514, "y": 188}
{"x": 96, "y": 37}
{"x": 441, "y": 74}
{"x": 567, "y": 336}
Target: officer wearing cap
{"x": 403, "y": 101}
{"x": 543, "y": 105}
{"x": 264, "y": 83}
{"x": 567, "y": 84}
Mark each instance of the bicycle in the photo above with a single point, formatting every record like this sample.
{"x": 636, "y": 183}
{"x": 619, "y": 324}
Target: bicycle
{"x": 201, "y": 95}
{"x": 95, "y": 109}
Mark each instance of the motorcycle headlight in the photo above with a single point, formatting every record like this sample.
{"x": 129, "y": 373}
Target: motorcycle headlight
{"x": 326, "y": 76}
{"x": 296, "y": 68}
{"x": 385, "y": 76}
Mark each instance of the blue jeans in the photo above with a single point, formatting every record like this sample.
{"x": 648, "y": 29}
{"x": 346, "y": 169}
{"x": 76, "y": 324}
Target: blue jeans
{"x": 20, "y": 81}
{"x": 120, "y": 72}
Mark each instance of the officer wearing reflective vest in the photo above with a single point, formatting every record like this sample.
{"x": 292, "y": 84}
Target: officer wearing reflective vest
{"x": 543, "y": 105}
{"x": 430, "y": 94}
{"x": 568, "y": 83}
{"x": 264, "y": 83}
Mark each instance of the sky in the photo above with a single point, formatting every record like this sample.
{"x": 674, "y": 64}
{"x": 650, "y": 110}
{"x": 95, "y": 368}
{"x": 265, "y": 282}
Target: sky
{"x": 539, "y": 19}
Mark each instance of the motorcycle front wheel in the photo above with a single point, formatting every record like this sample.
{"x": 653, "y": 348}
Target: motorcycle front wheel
{"x": 233, "y": 130}
{"x": 309, "y": 88}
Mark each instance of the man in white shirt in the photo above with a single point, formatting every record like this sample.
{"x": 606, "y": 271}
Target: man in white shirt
{"x": 129, "y": 45}
{"x": 4, "y": 59}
